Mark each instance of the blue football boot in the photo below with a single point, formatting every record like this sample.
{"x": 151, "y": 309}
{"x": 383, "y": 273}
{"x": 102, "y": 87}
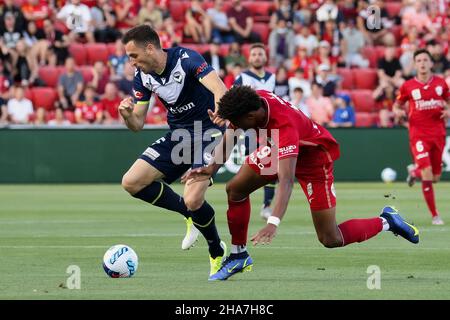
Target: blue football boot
{"x": 232, "y": 266}
{"x": 399, "y": 226}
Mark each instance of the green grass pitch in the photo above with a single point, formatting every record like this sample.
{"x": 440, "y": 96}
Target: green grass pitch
{"x": 46, "y": 228}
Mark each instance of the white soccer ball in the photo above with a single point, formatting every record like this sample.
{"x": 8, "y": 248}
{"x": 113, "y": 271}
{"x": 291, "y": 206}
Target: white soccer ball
{"x": 388, "y": 175}
{"x": 120, "y": 261}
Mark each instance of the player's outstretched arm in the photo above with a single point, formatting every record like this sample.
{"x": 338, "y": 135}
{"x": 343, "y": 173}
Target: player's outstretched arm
{"x": 214, "y": 84}
{"x": 286, "y": 177}
{"x": 133, "y": 114}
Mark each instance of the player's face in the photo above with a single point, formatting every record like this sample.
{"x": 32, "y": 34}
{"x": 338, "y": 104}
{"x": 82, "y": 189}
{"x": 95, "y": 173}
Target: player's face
{"x": 257, "y": 58}
{"x": 141, "y": 57}
{"x": 423, "y": 63}
{"x": 246, "y": 122}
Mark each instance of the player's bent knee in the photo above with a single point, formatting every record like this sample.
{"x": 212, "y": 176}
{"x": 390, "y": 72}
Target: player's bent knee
{"x": 130, "y": 185}
{"x": 232, "y": 192}
{"x": 193, "y": 203}
{"x": 330, "y": 242}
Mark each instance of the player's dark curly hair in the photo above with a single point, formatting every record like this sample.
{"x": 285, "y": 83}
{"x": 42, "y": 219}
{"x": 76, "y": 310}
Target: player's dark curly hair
{"x": 237, "y": 102}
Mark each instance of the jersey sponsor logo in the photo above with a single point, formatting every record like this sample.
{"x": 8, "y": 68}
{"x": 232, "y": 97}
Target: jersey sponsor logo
{"x": 439, "y": 90}
{"x": 178, "y": 77}
{"x": 184, "y": 55}
{"x": 416, "y": 95}
{"x": 182, "y": 109}
{"x": 422, "y": 155}
{"x": 287, "y": 150}
{"x": 151, "y": 153}
{"x": 429, "y": 104}
{"x": 201, "y": 68}
{"x": 138, "y": 94}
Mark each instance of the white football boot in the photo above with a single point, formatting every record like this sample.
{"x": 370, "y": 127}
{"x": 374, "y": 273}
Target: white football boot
{"x": 191, "y": 236}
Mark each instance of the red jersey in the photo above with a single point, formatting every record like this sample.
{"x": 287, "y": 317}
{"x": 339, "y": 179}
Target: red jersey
{"x": 111, "y": 106}
{"x": 89, "y": 112}
{"x": 298, "y": 136}
{"x": 426, "y": 102}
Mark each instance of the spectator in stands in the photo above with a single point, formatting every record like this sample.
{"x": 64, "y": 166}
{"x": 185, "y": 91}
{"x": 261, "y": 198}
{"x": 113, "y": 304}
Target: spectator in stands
{"x": 25, "y": 69}
{"x": 5, "y": 58}
{"x": 324, "y": 56}
{"x": 104, "y": 22}
{"x": 281, "y": 44}
{"x": 333, "y": 36}
{"x": 5, "y": 83}
{"x": 329, "y": 11}
{"x": 100, "y": 77}
{"x": 352, "y": 44}
{"x": 327, "y": 80}
{"x": 198, "y": 23}
{"x": 215, "y": 59}
{"x": 125, "y": 84}
{"x": 344, "y": 114}
{"x": 415, "y": 15}
{"x": 70, "y": 86}
{"x": 375, "y": 30}
{"x": 89, "y": 110}
{"x": 36, "y": 11}
{"x": 241, "y": 22}
{"x": 20, "y": 23}
{"x": 11, "y": 34}
{"x": 168, "y": 34}
{"x": 110, "y": 102}
{"x": 35, "y": 40}
{"x": 440, "y": 62}
{"x": 232, "y": 75}
{"x": 389, "y": 69}
{"x": 78, "y": 20}
{"x": 320, "y": 107}
{"x": 116, "y": 61}
{"x": 298, "y": 101}
{"x": 150, "y": 13}
{"x": 127, "y": 13}
{"x": 59, "y": 119}
{"x": 234, "y": 57}
{"x": 303, "y": 12}
{"x": 281, "y": 83}
{"x": 57, "y": 44}
{"x": 385, "y": 98}
{"x": 407, "y": 60}
{"x": 20, "y": 109}
{"x": 3, "y": 112}
{"x": 284, "y": 11}
{"x": 302, "y": 61}
{"x": 306, "y": 40}
{"x": 299, "y": 81}
{"x": 221, "y": 30}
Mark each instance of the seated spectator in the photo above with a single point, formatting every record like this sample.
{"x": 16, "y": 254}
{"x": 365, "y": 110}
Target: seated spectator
{"x": 329, "y": 11}
{"x": 407, "y": 60}
{"x": 306, "y": 40}
{"x": 89, "y": 110}
{"x": 241, "y": 22}
{"x": 281, "y": 44}
{"x": 125, "y": 84}
{"x": 78, "y": 20}
{"x": 215, "y": 59}
{"x": 110, "y": 102}
{"x": 384, "y": 96}
{"x": 19, "y": 108}
{"x": 344, "y": 115}
{"x": 232, "y": 75}
{"x": 59, "y": 119}
{"x": 57, "y": 43}
{"x": 282, "y": 84}
{"x": 36, "y": 11}
{"x": 285, "y": 12}
{"x": 302, "y": 61}
{"x": 299, "y": 81}
{"x": 234, "y": 57}
{"x": 326, "y": 80}
{"x": 198, "y": 23}
{"x": 104, "y": 22}
{"x": 5, "y": 83}
{"x": 320, "y": 107}
{"x": 375, "y": 30}
{"x": 70, "y": 86}
{"x": 100, "y": 77}
{"x": 35, "y": 40}
{"x": 9, "y": 7}
{"x": 299, "y": 101}
{"x": 389, "y": 69}
{"x": 11, "y": 34}
{"x": 333, "y": 36}
{"x": 440, "y": 62}
{"x": 168, "y": 35}
{"x": 25, "y": 69}
{"x": 324, "y": 56}
{"x": 416, "y": 16}
{"x": 117, "y": 61}
{"x": 221, "y": 30}
{"x": 3, "y": 112}
{"x": 150, "y": 13}
{"x": 127, "y": 13}
{"x": 353, "y": 43}
{"x": 303, "y": 12}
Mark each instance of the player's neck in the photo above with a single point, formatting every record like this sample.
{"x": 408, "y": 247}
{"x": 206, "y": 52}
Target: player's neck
{"x": 259, "y": 72}
{"x": 162, "y": 61}
{"x": 264, "y": 118}
{"x": 424, "y": 77}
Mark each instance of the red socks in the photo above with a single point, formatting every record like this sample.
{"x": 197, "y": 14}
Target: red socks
{"x": 359, "y": 230}
{"x": 238, "y": 215}
{"x": 428, "y": 194}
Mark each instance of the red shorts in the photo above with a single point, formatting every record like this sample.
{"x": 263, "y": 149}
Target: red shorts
{"x": 428, "y": 152}
{"x": 316, "y": 180}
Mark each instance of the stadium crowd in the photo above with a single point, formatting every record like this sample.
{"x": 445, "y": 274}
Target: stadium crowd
{"x": 62, "y": 62}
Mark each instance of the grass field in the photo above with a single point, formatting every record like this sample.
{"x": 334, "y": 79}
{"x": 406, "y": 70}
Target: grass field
{"x": 46, "y": 228}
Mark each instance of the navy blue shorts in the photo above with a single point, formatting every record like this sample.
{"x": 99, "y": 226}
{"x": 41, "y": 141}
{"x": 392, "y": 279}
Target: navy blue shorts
{"x": 179, "y": 151}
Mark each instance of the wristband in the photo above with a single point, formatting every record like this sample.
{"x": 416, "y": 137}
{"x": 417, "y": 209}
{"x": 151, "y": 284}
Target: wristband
{"x": 274, "y": 220}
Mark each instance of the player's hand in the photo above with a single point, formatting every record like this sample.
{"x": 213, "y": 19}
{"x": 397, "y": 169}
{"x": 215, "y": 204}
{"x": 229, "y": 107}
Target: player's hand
{"x": 399, "y": 113}
{"x": 126, "y": 107}
{"x": 197, "y": 174}
{"x": 216, "y": 119}
{"x": 265, "y": 235}
{"x": 445, "y": 114}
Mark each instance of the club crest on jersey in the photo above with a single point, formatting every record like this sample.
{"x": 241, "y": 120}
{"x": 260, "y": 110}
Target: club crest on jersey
{"x": 416, "y": 94}
{"x": 439, "y": 90}
{"x": 178, "y": 77}
{"x": 138, "y": 94}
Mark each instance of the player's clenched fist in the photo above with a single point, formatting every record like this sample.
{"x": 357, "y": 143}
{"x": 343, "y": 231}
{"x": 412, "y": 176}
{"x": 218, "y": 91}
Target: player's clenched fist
{"x": 126, "y": 107}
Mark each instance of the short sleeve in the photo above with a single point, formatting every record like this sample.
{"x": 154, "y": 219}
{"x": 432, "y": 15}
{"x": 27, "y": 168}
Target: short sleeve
{"x": 195, "y": 65}
{"x": 288, "y": 142}
{"x": 141, "y": 94}
{"x": 402, "y": 96}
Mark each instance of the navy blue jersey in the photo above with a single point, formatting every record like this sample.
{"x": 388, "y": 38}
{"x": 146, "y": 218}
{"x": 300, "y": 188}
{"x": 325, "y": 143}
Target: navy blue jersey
{"x": 179, "y": 88}
{"x": 248, "y": 78}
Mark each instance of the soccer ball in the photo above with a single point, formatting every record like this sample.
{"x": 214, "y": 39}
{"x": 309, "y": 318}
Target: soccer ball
{"x": 388, "y": 175}
{"x": 120, "y": 261}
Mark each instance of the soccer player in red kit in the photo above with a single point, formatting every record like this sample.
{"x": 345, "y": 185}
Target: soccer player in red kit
{"x": 297, "y": 148}
{"x": 427, "y": 95}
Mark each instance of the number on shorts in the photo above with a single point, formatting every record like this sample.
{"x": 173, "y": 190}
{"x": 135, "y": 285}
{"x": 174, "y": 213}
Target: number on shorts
{"x": 419, "y": 146}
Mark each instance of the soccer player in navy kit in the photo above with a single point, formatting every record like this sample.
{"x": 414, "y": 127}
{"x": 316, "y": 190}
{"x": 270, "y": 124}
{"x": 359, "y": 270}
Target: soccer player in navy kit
{"x": 189, "y": 89}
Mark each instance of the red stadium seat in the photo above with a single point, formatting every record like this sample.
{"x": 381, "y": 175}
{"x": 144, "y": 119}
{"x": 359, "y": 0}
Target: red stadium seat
{"x": 200, "y": 48}
{"x": 86, "y": 72}
{"x": 347, "y": 78}
{"x": 260, "y": 10}
{"x": 263, "y": 30}
{"x": 96, "y": 52}
{"x": 69, "y": 115}
{"x": 50, "y": 75}
{"x": 363, "y": 100}
{"x": 78, "y": 52}
{"x": 370, "y": 54}
{"x": 393, "y": 8}
{"x": 44, "y": 97}
{"x": 111, "y": 48}
{"x": 178, "y": 10}
{"x": 365, "y": 78}
{"x": 365, "y": 119}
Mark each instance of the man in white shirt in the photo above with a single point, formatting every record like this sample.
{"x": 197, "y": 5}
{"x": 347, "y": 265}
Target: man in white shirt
{"x": 78, "y": 19}
{"x": 19, "y": 108}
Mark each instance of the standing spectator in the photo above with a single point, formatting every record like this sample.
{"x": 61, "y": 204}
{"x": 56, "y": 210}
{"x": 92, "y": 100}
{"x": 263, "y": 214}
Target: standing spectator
{"x": 125, "y": 84}
{"x": 306, "y": 40}
{"x": 281, "y": 44}
{"x": 241, "y": 22}
{"x": 352, "y": 44}
{"x": 215, "y": 59}
{"x": 389, "y": 69}
{"x": 116, "y": 61}
{"x": 36, "y": 11}
{"x": 104, "y": 22}
{"x": 298, "y": 101}
{"x": 110, "y": 102}
{"x": 221, "y": 30}
{"x": 198, "y": 23}
{"x": 70, "y": 86}
{"x": 150, "y": 13}
{"x": 59, "y": 119}
{"x": 299, "y": 81}
{"x": 19, "y": 108}
{"x": 25, "y": 69}
{"x": 281, "y": 83}
{"x": 78, "y": 20}
{"x": 344, "y": 115}
{"x": 9, "y": 7}
{"x": 89, "y": 110}
{"x": 57, "y": 44}
{"x": 326, "y": 80}
{"x": 320, "y": 107}
{"x": 100, "y": 77}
